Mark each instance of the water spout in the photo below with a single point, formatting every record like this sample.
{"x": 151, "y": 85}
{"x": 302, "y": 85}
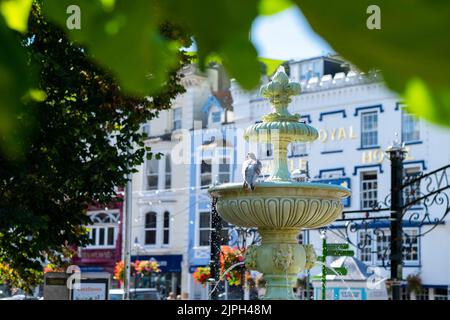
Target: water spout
{"x": 339, "y": 277}
{"x": 224, "y": 274}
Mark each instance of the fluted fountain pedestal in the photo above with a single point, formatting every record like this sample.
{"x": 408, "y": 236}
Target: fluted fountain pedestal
{"x": 280, "y": 207}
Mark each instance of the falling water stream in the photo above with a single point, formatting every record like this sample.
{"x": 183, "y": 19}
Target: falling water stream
{"x": 224, "y": 274}
{"x": 339, "y": 276}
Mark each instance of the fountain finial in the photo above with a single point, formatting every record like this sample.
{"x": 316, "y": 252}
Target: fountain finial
{"x": 279, "y": 92}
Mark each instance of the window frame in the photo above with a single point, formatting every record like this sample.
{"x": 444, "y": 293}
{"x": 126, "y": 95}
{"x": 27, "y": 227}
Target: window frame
{"x": 376, "y": 245}
{"x": 103, "y": 221}
{"x": 177, "y": 118}
{"x": 168, "y": 173}
{"x": 368, "y": 191}
{"x": 365, "y": 131}
{"x": 201, "y": 228}
{"x": 227, "y": 162}
{"x": 151, "y": 229}
{"x": 147, "y": 175}
{"x": 166, "y": 228}
{"x": 202, "y": 174}
{"x": 414, "y": 122}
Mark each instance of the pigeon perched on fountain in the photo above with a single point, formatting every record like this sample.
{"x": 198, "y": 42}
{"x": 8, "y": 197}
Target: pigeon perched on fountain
{"x": 251, "y": 169}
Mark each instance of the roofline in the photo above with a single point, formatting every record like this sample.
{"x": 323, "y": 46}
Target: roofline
{"x": 316, "y": 58}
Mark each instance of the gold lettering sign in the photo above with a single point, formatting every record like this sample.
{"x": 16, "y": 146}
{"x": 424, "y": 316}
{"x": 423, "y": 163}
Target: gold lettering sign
{"x": 323, "y": 135}
{"x": 336, "y": 134}
{"x": 378, "y": 156}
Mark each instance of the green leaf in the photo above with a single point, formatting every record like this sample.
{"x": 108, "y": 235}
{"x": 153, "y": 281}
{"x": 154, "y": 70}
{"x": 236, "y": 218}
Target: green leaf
{"x": 15, "y": 81}
{"x": 16, "y": 13}
{"x": 411, "y": 48}
{"x": 272, "y": 65}
{"x": 123, "y": 36}
{"x": 222, "y": 28}
{"x": 270, "y": 7}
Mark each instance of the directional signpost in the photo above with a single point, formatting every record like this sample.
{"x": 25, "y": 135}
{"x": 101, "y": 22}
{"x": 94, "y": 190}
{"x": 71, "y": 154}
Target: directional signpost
{"x": 332, "y": 250}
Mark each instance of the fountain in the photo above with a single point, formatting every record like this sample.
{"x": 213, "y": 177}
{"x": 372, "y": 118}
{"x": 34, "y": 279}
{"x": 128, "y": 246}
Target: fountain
{"x": 280, "y": 207}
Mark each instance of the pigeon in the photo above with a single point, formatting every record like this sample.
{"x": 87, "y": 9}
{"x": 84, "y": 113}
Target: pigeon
{"x": 251, "y": 169}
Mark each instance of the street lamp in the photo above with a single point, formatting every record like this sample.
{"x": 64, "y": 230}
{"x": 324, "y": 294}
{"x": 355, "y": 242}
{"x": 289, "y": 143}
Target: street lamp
{"x": 397, "y": 153}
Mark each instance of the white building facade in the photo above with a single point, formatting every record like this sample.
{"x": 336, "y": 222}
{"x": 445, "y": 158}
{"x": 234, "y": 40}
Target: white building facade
{"x": 357, "y": 119}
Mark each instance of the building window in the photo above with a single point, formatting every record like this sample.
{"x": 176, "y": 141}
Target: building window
{"x": 102, "y": 236}
{"x": 146, "y": 129}
{"x": 150, "y": 228}
{"x": 205, "y": 173}
{"x": 383, "y": 246}
{"x": 204, "y": 228}
{"x": 104, "y": 232}
{"x": 265, "y": 150}
{"x": 177, "y": 118}
{"x": 374, "y": 246}
{"x": 369, "y": 129}
{"x": 424, "y": 294}
{"x": 405, "y": 294}
{"x": 152, "y": 167}
{"x": 440, "y": 294}
{"x": 410, "y": 245}
{"x": 412, "y": 191}
{"x": 166, "y": 229}
{"x": 216, "y": 116}
{"x": 168, "y": 181}
{"x": 410, "y": 127}
{"x": 369, "y": 190}
{"x": 300, "y": 238}
{"x": 224, "y": 170}
{"x": 365, "y": 245}
{"x": 298, "y": 149}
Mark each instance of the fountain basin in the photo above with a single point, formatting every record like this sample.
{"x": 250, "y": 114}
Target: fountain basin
{"x": 280, "y": 205}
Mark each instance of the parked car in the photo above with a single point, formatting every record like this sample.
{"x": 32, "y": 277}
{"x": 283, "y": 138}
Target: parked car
{"x": 135, "y": 294}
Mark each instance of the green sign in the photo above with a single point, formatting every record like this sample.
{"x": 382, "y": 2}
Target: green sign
{"x": 340, "y": 253}
{"x": 337, "y": 246}
{"x": 342, "y": 271}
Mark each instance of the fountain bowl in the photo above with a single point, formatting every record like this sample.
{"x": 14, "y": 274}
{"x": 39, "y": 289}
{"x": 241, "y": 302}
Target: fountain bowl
{"x": 280, "y": 204}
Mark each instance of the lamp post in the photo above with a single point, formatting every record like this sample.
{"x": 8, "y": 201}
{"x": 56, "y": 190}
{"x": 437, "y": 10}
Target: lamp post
{"x": 137, "y": 249}
{"x": 397, "y": 153}
{"x": 127, "y": 237}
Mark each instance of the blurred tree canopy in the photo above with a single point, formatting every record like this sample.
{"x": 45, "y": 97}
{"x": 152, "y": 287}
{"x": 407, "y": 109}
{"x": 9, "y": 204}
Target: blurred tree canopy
{"x": 83, "y": 138}
{"x": 410, "y": 48}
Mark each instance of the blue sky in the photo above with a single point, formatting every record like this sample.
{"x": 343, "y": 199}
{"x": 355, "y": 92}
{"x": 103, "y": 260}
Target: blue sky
{"x": 287, "y": 35}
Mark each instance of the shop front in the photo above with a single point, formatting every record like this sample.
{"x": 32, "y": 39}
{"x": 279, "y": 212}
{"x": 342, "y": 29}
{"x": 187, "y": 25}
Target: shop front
{"x": 166, "y": 281}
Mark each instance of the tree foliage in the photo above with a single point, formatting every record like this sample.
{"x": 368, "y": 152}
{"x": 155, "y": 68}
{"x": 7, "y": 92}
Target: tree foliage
{"x": 84, "y": 140}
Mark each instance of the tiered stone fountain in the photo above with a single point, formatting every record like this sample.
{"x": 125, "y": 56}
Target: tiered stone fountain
{"x": 280, "y": 207}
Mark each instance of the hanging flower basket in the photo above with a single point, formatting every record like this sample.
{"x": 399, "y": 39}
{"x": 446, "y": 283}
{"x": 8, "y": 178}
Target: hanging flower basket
{"x": 202, "y": 274}
{"x": 230, "y": 257}
{"x": 414, "y": 283}
{"x": 146, "y": 268}
{"x": 140, "y": 268}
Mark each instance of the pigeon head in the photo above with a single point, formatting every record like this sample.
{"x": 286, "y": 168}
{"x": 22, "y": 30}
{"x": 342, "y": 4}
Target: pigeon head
{"x": 251, "y": 155}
